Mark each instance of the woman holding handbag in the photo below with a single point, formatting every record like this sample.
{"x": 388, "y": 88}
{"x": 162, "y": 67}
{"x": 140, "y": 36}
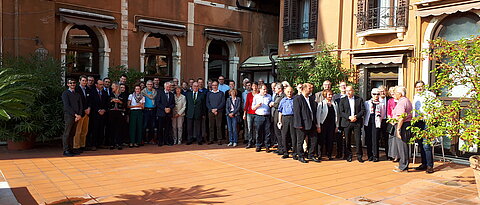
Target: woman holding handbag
{"x": 232, "y": 111}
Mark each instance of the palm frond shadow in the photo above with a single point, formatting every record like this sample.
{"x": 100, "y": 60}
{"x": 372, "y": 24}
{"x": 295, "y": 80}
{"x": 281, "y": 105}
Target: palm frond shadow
{"x": 193, "y": 195}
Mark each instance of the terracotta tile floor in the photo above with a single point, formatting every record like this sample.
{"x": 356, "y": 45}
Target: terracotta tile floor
{"x": 212, "y": 174}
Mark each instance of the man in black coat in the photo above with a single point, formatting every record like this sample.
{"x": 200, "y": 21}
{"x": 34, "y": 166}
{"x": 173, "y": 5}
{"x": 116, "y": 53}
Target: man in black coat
{"x": 97, "y": 115}
{"x": 73, "y": 109}
{"x": 352, "y": 110}
{"x": 165, "y": 103}
{"x": 196, "y": 110}
{"x": 304, "y": 120}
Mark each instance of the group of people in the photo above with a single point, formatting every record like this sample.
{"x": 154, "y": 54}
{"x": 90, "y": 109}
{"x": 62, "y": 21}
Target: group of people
{"x": 304, "y": 126}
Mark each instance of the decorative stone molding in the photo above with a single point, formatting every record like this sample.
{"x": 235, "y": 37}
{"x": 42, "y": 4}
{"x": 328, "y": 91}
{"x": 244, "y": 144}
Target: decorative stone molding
{"x": 310, "y": 41}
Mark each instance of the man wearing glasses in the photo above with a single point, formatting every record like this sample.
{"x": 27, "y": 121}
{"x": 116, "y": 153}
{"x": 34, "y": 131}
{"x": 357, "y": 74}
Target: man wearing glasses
{"x": 221, "y": 84}
{"x": 72, "y": 108}
{"x": 374, "y": 113}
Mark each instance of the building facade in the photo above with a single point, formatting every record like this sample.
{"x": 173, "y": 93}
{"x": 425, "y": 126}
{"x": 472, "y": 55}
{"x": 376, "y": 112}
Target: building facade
{"x": 164, "y": 38}
{"x": 378, "y": 37}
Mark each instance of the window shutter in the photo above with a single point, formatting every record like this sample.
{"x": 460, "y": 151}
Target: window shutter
{"x": 402, "y": 13}
{"x": 294, "y": 24}
{"x": 312, "y": 27}
{"x": 361, "y": 15}
{"x": 286, "y": 20}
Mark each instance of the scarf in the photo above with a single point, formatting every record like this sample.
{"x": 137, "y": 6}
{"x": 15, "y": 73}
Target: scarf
{"x": 152, "y": 96}
{"x": 377, "y": 112}
{"x": 138, "y": 97}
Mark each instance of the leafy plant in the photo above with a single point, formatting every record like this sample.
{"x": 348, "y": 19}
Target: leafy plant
{"x": 14, "y": 94}
{"x": 325, "y": 66}
{"x": 458, "y": 64}
{"x": 44, "y": 111}
{"x": 133, "y": 76}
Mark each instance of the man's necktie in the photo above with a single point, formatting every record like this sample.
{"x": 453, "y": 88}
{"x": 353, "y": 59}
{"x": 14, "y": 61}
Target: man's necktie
{"x": 195, "y": 97}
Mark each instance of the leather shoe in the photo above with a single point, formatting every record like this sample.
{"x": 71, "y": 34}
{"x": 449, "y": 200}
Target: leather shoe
{"x": 189, "y": 143}
{"x": 68, "y": 154}
{"x": 285, "y": 156}
{"x": 349, "y": 159}
{"x": 317, "y": 159}
{"x": 267, "y": 150}
{"x": 429, "y": 170}
{"x": 258, "y": 149}
{"x": 249, "y": 146}
{"x": 375, "y": 159}
{"x": 279, "y": 153}
{"x": 370, "y": 158}
{"x": 295, "y": 157}
{"x": 360, "y": 159}
{"x": 302, "y": 160}
{"x": 421, "y": 167}
{"x": 338, "y": 156}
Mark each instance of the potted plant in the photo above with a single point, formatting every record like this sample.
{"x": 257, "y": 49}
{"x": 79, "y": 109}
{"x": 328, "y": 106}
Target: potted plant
{"x": 43, "y": 117}
{"x": 455, "y": 112}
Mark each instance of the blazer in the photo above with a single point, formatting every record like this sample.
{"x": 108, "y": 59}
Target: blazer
{"x": 162, "y": 102}
{"x": 196, "y": 109}
{"x": 99, "y": 103}
{"x": 303, "y": 117}
{"x": 344, "y": 107}
{"x": 383, "y": 113}
{"x": 322, "y": 112}
{"x": 72, "y": 103}
{"x": 236, "y": 107}
{"x": 85, "y": 98}
{"x": 276, "y": 103}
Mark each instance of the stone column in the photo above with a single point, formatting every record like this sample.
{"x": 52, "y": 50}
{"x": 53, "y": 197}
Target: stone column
{"x": 124, "y": 34}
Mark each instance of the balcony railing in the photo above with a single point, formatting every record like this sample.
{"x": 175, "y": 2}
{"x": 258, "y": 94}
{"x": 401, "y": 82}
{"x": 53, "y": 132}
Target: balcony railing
{"x": 382, "y": 17}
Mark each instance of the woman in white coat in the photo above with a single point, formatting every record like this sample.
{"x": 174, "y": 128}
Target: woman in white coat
{"x": 328, "y": 122}
{"x": 178, "y": 115}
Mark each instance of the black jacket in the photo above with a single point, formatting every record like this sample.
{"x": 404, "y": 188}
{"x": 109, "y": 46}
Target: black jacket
{"x": 344, "y": 109}
{"x": 99, "y": 103}
{"x": 72, "y": 103}
{"x": 303, "y": 117}
{"x": 162, "y": 102}
{"x": 86, "y": 98}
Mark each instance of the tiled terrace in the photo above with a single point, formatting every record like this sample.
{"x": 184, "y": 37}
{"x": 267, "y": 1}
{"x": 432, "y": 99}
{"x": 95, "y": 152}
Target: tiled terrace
{"x": 211, "y": 174}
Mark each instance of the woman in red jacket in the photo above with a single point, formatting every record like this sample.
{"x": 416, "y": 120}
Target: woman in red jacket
{"x": 249, "y": 115}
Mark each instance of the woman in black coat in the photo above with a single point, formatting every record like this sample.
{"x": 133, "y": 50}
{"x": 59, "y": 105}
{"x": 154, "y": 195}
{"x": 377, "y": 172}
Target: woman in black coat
{"x": 116, "y": 117}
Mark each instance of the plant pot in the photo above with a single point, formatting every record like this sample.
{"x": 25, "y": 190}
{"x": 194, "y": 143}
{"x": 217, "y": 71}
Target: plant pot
{"x": 22, "y": 145}
{"x": 475, "y": 164}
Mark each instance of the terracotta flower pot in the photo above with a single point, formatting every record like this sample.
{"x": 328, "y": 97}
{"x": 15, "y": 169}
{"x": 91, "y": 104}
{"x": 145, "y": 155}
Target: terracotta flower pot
{"x": 22, "y": 145}
{"x": 475, "y": 164}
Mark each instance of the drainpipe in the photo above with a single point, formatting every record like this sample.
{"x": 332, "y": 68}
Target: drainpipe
{"x": 274, "y": 72}
{"x": 240, "y": 7}
{"x": 15, "y": 27}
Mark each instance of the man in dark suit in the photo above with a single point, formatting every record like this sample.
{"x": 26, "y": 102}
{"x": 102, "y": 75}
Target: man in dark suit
{"x": 165, "y": 102}
{"x": 195, "y": 113}
{"x": 97, "y": 116}
{"x": 304, "y": 120}
{"x": 279, "y": 95}
{"x": 73, "y": 109}
{"x": 80, "y": 138}
{"x": 352, "y": 110}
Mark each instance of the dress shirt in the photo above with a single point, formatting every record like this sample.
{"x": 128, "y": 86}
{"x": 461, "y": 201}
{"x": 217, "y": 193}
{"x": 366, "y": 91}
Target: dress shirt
{"x": 351, "y": 101}
{"x": 83, "y": 90}
{"x": 264, "y": 109}
{"x": 286, "y": 106}
{"x": 223, "y": 87}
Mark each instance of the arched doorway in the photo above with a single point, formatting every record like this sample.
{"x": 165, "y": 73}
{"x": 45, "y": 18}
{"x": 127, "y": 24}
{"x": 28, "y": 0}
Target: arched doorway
{"x": 158, "y": 56}
{"x": 218, "y": 59}
{"x": 82, "y": 52}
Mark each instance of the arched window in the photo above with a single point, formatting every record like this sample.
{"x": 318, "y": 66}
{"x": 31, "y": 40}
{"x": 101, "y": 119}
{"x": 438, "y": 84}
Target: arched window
{"x": 218, "y": 59}
{"x": 158, "y": 56}
{"x": 454, "y": 28}
{"x": 82, "y": 56}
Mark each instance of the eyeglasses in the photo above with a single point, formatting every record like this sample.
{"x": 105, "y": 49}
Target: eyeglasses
{"x": 375, "y": 94}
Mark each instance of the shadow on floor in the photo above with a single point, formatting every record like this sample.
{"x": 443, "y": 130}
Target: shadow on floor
{"x": 173, "y": 195}
{"x": 23, "y": 196}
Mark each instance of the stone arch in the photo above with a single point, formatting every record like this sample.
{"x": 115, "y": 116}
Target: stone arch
{"x": 176, "y": 55}
{"x": 233, "y": 59}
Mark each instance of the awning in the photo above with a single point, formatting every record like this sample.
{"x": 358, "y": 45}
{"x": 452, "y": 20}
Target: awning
{"x": 160, "y": 27}
{"x": 223, "y": 35}
{"x": 87, "y": 18}
{"x": 379, "y": 59}
{"x": 448, "y": 8}
{"x": 258, "y": 62}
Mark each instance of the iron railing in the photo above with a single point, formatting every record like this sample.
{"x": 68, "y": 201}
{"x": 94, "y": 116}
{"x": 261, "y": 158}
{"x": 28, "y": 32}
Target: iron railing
{"x": 382, "y": 17}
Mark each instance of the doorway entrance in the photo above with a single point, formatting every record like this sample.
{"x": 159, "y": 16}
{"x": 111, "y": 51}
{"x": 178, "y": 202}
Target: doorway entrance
{"x": 218, "y": 63}
{"x": 387, "y": 76}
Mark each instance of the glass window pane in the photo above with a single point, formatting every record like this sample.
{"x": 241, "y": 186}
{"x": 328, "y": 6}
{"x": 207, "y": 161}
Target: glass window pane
{"x": 455, "y": 29}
